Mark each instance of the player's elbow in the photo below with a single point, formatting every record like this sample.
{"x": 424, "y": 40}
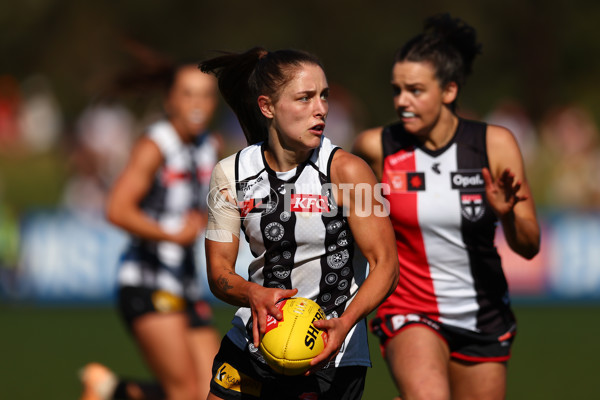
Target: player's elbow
{"x": 530, "y": 251}
{"x": 526, "y": 240}
{"x": 215, "y": 286}
{"x": 111, "y": 213}
{"x": 114, "y": 214}
{"x": 394, "y": 275}
{"x": 212, "y": 286}
{"x": 218, "y": 280}
{"x": 389, "y": 271}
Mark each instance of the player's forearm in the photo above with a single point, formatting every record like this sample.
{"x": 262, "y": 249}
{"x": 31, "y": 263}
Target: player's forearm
{"x": 522, "y": 235}
{"x": 380, "y": 283}
{"x": 138, "y": 223}
{"x": 228, "y": 286}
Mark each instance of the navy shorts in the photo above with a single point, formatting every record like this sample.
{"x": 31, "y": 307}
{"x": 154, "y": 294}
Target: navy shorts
{"x": 464, "y": 344}
{"x": 238, "y": 376}
{"x": 133, "y": 302}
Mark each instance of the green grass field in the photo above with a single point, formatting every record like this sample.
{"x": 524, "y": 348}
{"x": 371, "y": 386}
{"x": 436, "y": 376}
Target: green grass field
{"x": 556, "y": 354}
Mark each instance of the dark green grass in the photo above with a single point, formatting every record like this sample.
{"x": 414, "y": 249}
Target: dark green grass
{"x": 556, "y": 354}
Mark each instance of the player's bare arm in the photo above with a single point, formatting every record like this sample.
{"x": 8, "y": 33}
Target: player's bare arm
{"x": 232, "y": 288}
{"x": 368, "y": 147}
{"x": 134, "y": 183}
{"x": 509, "y": 194}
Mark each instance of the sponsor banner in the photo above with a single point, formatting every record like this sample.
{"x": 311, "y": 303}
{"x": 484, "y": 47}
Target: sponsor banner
{"x": 68, "y": 258}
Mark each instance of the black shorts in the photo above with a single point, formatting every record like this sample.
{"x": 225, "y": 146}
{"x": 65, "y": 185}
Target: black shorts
{"x": 133, "y": 302}
{"x": 464, "y": 344}
{"x": 237, "y": 376}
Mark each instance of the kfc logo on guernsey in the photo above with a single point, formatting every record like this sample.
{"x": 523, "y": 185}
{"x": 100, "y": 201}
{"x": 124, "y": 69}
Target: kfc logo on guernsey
{"x": 467, "y": 181}
{"x": 309, "y": 203}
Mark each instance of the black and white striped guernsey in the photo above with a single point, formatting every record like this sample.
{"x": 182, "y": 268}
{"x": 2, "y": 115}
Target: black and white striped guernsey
{"x": 299, "y": 239}
{"x": 180, "y": 185}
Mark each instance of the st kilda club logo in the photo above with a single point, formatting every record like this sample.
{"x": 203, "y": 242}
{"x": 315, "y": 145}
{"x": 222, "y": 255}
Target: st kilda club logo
{"x": 472, "y": 195}
{"x": 472, "y": 206}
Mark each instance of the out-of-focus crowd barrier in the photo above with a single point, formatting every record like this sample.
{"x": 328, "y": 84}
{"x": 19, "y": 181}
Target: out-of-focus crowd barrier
{"x": 71, "y": 258}
{"x": 67, "y": 258}
{"x": 568, "y": 265}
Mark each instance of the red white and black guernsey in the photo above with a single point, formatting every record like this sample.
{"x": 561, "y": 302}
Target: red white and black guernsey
{"x": 450, "y": 270}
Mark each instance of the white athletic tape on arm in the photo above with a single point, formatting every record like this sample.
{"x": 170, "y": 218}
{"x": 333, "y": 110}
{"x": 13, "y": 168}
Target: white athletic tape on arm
{"x": 223, "y": 215}
{"x": 219, "y": 235}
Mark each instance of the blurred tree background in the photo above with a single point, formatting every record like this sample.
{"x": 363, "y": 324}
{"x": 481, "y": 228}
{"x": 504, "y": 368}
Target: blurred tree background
{"x": 541, "y": 53}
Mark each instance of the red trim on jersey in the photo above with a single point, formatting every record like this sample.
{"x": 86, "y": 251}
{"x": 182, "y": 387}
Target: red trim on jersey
{"x": 416, "y": 324}
{"x": 415, "y": 292}
{"x": 170, "y": 176}
{"x": 388, "y": 332}
{"x": 479, "y": 359}
{"x": 391, "y": 335}
{"x": 204, "y": 174}
{"x": 507, "y": 336}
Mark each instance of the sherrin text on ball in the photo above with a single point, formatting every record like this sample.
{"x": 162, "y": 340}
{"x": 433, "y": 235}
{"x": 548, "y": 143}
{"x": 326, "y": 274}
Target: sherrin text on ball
{"x": 289, "y": 344}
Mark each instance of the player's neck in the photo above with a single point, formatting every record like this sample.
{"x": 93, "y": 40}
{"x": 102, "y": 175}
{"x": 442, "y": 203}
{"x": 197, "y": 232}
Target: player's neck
{"x": 442, "y": 132}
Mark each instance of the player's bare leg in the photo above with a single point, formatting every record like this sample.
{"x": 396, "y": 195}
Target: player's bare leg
{"x": 418, "y": 360}
{"x": 204, "y": 343}
{"x": 481, "y": 381}
{"x": 162, "y": 339}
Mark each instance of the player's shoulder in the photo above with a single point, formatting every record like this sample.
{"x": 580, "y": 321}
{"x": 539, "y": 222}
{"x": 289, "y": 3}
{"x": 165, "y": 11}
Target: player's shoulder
{"x": 144, "y": 146}
{"x": 369, "y": 137}
{"x": 368, "y": 144}
{"x": 348, "y": 167}
{"x": 228, "y": 160}
{"x": 343, "y": 158}
{"x": 499, "y": 137}
{"x": 226, "y": 167}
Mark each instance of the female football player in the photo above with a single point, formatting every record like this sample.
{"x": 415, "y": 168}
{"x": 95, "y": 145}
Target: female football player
{"x": 160, "y": 199}
{"x": 447, "y": 329}
{"x": 302, "y": 203}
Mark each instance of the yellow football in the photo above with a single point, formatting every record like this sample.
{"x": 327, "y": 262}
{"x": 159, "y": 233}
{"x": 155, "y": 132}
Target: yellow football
{"x": 290, "y": 344}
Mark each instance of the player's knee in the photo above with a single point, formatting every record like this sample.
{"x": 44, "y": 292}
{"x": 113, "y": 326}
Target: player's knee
{"x": 425, "y": 392}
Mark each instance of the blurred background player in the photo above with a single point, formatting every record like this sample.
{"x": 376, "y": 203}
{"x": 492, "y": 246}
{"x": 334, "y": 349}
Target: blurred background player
{"x": 280, "y": 99}
{"x": 160, "y": 199}
{"x": 447, "y": 330}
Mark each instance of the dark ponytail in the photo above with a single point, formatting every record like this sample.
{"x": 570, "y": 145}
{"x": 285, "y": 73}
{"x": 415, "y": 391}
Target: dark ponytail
{"x": 449, "y": 44}
{"x": 233, "y": 72}
{"x": 245, "y": 76}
